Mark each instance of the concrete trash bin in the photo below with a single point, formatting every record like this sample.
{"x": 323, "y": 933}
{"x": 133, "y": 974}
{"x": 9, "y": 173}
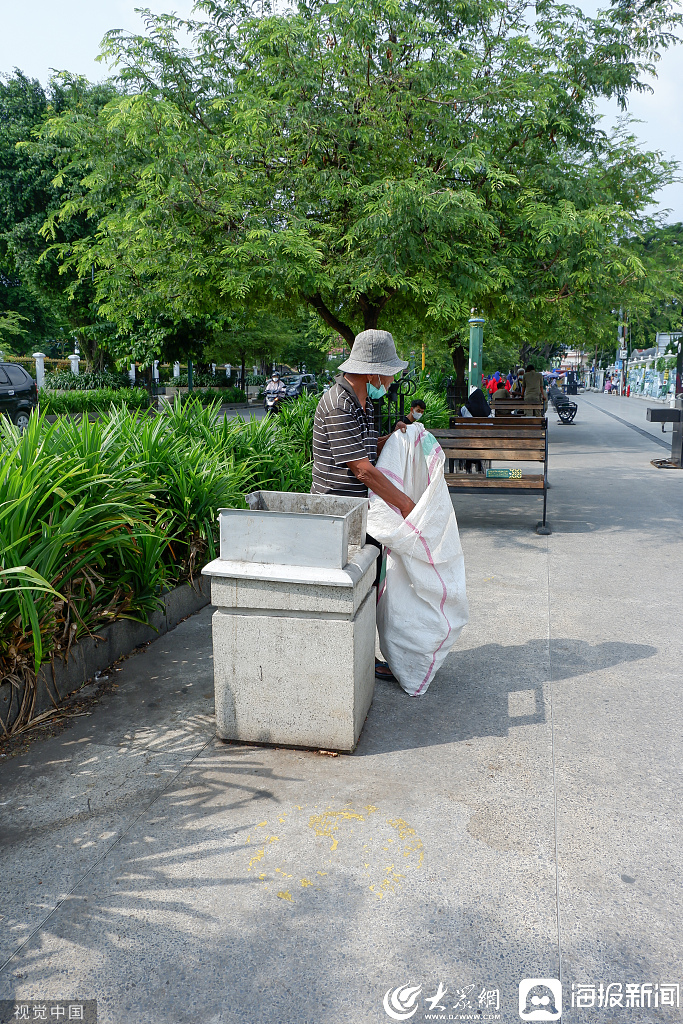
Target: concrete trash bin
{"x": 294, "y": 626}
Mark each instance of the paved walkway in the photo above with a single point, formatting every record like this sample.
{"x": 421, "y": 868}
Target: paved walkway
{"x": 523, "y": 819}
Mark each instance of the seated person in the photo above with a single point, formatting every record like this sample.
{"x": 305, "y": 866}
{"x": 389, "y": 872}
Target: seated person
{"x": 476, "y": 405}
{"x": 501, "y": 392}
{"x": 417, "y": 411}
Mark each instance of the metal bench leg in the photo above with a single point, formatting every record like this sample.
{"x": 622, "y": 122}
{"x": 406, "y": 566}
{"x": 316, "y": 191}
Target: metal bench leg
{"x": 542, "y": 528}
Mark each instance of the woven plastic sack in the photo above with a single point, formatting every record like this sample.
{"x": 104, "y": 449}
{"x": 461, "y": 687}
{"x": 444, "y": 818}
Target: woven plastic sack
{"x": 422, "y": 600}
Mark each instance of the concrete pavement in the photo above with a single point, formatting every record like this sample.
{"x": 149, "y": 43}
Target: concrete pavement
{"x": 521, "y": 820}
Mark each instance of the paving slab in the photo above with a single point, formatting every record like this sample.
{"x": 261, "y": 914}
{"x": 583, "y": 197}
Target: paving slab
{"x": 521, "y": 820}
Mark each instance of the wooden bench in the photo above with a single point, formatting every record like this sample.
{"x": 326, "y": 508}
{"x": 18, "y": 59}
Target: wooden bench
{"x": 499, "y": 439}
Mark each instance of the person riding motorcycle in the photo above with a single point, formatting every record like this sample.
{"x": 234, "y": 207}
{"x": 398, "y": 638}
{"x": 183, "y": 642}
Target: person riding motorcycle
{"x": 275, "y": 393}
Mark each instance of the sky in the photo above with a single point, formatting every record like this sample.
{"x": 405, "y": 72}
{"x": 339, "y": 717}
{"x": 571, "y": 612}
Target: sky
{"x": 40, "y": 35}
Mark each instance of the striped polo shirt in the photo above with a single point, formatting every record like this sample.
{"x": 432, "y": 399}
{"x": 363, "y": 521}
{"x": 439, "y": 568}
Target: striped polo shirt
{"x": 342, "y": 432}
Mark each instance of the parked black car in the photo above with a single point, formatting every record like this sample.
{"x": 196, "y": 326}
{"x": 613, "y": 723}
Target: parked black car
{"x": 299, "y": 383}
{"x": 18, "y": 393}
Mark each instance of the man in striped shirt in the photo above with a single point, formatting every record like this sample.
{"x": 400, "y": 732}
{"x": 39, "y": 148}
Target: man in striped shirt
{"x": 345, "y": 442}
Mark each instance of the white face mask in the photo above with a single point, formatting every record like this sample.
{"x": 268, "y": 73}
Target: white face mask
{"x": 417, "y": 415}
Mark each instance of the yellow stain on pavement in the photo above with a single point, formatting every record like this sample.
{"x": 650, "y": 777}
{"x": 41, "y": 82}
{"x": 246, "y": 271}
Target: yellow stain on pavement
{"x": 355, "y": 835}
{"x": 328, "y": 822}
{"x": 259, "y": 855}
{"x": 408, "y": 835}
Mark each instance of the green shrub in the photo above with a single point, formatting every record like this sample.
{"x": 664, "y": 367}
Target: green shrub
{"x": 69, "y": 402}
{"x": 222, "y": 395}
{"x": 65, "y": 380}
{"x": 200, "y": 380}
{"x": 97, "y": 518}
{"x": 77, "y": 525}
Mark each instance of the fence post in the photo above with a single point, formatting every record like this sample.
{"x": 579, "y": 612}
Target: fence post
{"x": 155, "y": 370}
{"x": 74, "y": 360}
{"x": 40, "y": 368}
{"x": 176, "y": 369}
{"x": 131, "y": 373}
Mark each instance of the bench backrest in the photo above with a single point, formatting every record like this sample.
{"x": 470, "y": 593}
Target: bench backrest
{"x": 516, "y": 439}
{"x": 516, "y": 405}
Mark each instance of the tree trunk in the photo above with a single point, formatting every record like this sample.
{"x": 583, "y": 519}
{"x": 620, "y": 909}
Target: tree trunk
{"x": 372, "y": 310}
{"x": 328, "y": 316}
{"x": 459, "y": 357}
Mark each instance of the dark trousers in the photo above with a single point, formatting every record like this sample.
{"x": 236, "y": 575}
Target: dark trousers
{"x": 376, "y": 543}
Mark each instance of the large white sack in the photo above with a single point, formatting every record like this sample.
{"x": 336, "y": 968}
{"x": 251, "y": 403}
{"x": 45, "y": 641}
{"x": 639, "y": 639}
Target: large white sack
{"x": 422, "y": 602}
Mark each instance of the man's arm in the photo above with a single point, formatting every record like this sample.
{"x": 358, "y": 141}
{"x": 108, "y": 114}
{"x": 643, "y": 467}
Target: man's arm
{"x": 381, "y": 441}
{"x": 375, "y": 481}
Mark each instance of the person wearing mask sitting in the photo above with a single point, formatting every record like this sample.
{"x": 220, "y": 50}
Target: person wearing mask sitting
{"x": 417, "y": 411}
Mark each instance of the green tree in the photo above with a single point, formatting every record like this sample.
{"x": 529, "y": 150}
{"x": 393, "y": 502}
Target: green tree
{"x": 378, "y": 162}
{"x": 31, "y": 279}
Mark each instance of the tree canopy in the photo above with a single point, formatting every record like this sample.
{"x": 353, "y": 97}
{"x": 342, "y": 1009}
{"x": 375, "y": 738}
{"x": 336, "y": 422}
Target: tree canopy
{"x": 31, "y": 283}
{"x": 383, "y": 163}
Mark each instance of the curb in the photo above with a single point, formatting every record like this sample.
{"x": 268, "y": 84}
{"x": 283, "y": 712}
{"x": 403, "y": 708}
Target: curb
{"x": 58, "y": 680}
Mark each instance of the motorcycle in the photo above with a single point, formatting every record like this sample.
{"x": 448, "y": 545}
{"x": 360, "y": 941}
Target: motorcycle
{"x": 271, "y": 403}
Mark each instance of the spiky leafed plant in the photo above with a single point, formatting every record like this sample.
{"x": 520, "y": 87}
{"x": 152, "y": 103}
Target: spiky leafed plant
{"x": 79, "y": 520}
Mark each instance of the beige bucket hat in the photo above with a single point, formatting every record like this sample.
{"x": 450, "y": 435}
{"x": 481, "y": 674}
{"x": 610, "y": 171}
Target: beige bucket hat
{"x": 374, "y": 352}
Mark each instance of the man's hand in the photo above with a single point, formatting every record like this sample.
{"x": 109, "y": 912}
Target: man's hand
{"x": 377, "y": 482}
{"x": 406, "y": 507}
{"x": 401, "y": 426}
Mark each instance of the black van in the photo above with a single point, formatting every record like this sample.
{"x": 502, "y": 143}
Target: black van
{"x": 18, "y": 393}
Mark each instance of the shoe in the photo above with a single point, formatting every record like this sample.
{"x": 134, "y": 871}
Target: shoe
{"x": 382, "y": 671}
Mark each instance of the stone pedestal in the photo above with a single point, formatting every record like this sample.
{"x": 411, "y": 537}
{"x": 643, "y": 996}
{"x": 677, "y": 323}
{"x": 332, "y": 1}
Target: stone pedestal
{"x": 294, "y": 641}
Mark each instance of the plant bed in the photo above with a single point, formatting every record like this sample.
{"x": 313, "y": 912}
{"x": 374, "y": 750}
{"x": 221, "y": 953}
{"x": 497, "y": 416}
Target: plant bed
{"x": 94, "y": 400}
{"x": 98, "y": 518}
{"x": 60, "y": 678}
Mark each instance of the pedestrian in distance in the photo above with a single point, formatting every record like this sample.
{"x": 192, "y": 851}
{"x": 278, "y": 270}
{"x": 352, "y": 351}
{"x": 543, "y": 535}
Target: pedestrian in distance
{"x": 518, "y": 384}
{"x": 533, "y": 389}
